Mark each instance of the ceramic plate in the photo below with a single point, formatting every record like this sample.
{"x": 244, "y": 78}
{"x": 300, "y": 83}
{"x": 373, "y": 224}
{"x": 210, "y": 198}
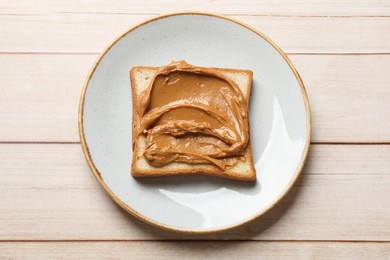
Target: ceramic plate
{"x": 279, "y": 120}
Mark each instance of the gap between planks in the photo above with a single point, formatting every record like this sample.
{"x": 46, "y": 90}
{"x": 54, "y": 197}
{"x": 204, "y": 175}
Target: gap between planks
{"x": 225, "y": 14}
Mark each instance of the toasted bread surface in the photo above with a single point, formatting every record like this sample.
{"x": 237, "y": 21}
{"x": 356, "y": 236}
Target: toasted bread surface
{"x": 141, "y": 77}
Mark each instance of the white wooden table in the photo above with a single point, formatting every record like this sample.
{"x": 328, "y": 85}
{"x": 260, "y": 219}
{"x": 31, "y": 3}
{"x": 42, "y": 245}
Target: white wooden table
{"x": 52, "y": 206}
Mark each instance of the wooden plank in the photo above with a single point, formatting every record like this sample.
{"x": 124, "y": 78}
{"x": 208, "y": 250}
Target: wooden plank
{"x": 349, "y": 96}
{"x": 348, "y": 160}
{"x": 41, "y": 93}
{"x": 254, "y": 7}
{"x": 48, "y": 193}
{"x": 40, "y": 96}
{"x": 69, "y": 32}
{"x": 195, "y": 250}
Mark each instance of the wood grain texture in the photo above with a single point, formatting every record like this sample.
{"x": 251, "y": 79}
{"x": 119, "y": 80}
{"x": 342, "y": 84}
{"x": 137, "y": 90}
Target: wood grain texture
{"x": 348, "y": 160}
{"x": 196, "y": 250}
{"x": 91, "y": 33}
{"x": 52, "y": 207}
{"x": 49, "y": 193}
{"x": 253, "y": 7}
{"x": 349, "y": 96}
{"x": 345, "y": 107}
{"x": 40, "y": 96}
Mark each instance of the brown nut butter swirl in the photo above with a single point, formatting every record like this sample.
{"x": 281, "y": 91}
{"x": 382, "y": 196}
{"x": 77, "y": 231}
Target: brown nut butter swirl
{"x": 193, "y": 115}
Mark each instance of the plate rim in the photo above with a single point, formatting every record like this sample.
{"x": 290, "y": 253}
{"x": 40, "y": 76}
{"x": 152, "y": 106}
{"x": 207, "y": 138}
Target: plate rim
{"x": 135, "y": 213}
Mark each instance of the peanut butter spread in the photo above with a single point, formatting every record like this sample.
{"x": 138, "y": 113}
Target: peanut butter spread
{"x": 193, "y": 115}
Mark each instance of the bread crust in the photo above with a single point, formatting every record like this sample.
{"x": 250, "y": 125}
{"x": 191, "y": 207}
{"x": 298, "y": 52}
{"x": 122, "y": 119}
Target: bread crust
{"x": 139, "y": 166}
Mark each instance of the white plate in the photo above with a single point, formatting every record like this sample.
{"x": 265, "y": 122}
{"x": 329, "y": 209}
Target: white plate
{"x": 279, "y": 119}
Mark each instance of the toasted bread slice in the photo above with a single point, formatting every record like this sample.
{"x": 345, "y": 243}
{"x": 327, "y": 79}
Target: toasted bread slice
{"x": 244, "y": 170}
